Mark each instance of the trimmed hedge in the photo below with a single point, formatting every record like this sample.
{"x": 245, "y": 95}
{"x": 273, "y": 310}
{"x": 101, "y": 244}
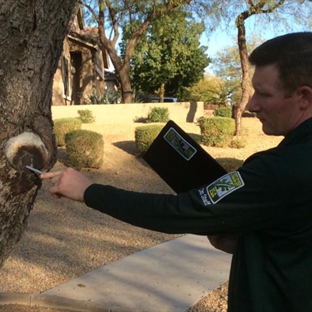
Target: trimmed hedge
{"x": 84, "y": 148}
{"x": 216, "y": 131}
{"x": 223, "y": 112}
{"x": 63, "y": 126}
{"x": 145, "y": 135}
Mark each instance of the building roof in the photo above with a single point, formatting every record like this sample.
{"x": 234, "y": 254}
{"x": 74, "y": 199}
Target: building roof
{"x": 88, "y": 34}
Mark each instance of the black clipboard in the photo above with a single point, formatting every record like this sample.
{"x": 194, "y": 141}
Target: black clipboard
{"x": 180, "y": 161}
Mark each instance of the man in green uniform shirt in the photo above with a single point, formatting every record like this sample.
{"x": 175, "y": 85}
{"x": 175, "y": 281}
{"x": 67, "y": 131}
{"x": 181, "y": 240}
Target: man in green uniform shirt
{"x": 264, "y": 215}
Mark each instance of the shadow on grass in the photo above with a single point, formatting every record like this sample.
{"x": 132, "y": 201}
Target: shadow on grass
{"x": 129, "y": 147}
{"x": 196, "y": 137}
{"x": 62, "y": 156}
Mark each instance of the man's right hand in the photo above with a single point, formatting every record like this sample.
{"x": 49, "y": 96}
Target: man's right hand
{"x": 68, "y": 183}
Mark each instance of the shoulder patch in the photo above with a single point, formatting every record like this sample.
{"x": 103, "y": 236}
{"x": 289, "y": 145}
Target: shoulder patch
{"x": 224, "y": 186}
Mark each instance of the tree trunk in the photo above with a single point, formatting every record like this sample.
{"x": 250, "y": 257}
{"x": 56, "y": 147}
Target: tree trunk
{"x": 121, "y": 68}
{"x": 124, "y": 76}
{"x": 32, "y": 33}
{"x": 245, "y": 84}
{"x": 123, "y": 71}
{"x": 161, "y": 93}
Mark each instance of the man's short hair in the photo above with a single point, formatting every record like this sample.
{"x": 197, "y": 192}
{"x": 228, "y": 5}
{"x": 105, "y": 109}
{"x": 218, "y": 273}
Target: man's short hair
{"x": 292, "y": 56}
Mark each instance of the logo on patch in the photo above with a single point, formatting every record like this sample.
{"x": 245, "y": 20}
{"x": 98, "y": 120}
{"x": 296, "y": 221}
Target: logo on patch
{"x": 184, "y": 148}
{"x": 225, "y": 185}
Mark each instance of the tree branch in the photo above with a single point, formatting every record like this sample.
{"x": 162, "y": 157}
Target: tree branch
{"x": 90, "y": 9}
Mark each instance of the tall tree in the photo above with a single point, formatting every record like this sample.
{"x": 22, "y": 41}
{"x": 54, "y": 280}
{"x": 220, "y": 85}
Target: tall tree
{"x": 170, "y": 58}
{"x": 32, "y": 34}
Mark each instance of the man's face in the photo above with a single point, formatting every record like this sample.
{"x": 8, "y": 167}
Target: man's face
{"x": 279, "y": 115}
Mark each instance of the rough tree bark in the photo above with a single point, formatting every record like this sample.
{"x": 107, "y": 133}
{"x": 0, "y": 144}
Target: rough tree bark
{"x": 31, "y": 36}
{"x": 245, "y": 84}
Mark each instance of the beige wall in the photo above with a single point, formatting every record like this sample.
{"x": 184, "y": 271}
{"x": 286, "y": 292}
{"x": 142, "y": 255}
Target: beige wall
{"x": 122, "y": 113}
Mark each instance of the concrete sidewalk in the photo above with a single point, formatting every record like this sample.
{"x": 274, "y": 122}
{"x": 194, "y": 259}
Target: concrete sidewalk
{"x": 170, "y": 277}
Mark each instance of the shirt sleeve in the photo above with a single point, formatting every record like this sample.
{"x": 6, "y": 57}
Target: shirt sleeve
{"x": 254, "y": 205}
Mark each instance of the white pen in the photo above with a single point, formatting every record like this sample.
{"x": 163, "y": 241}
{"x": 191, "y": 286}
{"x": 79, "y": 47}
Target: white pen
{"x": 34, "y": 170}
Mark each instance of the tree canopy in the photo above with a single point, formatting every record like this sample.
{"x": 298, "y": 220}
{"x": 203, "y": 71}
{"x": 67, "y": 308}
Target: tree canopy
{"x": 170, "y": 57}
{"x": 210, "y": 89}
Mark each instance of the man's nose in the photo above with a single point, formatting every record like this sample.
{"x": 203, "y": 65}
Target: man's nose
{"x": 252, "y": 105}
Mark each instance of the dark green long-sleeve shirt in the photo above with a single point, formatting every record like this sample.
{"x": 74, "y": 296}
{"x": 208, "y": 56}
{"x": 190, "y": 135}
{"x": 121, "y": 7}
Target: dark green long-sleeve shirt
{"x": 268, "y": 201}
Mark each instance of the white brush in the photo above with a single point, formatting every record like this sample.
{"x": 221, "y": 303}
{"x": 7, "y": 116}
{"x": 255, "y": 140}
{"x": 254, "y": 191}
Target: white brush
{"x": 34, "y": 170}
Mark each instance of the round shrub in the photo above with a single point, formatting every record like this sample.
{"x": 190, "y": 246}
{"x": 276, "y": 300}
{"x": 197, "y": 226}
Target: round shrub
{"x": 216, "y": 131}
{"x": 84, "y": 148}
{"x": 63, "y": 126}
{"x": 145, "y": 135}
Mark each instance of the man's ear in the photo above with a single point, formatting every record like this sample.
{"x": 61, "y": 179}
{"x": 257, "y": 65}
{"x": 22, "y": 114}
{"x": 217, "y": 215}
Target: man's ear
{"x": 305, "y": 93}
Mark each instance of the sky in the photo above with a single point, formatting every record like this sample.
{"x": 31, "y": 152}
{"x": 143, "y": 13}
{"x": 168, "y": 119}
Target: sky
{"x": 221, "y": 39}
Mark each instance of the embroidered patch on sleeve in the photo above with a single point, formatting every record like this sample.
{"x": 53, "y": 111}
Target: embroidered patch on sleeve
{"x": 224, "y": 186}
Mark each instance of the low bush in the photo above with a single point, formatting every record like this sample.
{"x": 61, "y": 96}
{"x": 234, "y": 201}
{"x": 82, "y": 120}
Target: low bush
{"x": 86, "y": 116}
{"x": 63, "y": 126}
{"x": 223, "y": 112}
{"x": 237, "y": 142}
{"x": 158, "y": 114}
{"x": 216, "y": 131}
{"x": 145, "y": 135}
{"x": 84, "y": 148}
